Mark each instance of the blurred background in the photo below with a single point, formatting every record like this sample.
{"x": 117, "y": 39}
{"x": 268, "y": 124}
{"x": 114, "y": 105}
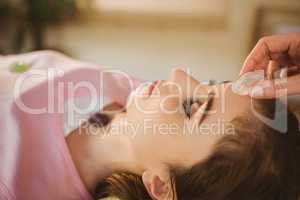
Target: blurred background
{"x": 147, "y": 38}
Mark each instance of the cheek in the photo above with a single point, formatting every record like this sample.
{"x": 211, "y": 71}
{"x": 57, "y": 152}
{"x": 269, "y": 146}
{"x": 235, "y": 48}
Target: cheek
{"x": 170, "y": 105}
{"x": 143, "y": 106}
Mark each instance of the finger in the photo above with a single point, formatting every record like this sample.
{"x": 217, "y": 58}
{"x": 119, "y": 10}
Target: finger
{"x": 278, "y": 47}
{"x": 269, "y": 89}
{"x": 257, "y": 59}
{"x": 293, "y": 71}
{"x": 285, "y": 72}
{"x": 294, "y": 50}
{"x": 272, "y": 68}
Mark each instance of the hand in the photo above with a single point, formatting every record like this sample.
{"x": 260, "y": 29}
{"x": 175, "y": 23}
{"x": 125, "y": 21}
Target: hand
{"x": 284, "y": 49}
{"x": 269, "y": 89}
{"x": 273, "y": 53}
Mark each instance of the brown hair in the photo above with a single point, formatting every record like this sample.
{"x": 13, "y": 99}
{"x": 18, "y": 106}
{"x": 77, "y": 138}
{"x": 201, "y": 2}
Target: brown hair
{"x": 257, "y": 162}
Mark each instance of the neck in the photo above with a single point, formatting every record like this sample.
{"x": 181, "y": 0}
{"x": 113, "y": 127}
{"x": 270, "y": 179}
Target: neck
{"x": 99, "y": 154}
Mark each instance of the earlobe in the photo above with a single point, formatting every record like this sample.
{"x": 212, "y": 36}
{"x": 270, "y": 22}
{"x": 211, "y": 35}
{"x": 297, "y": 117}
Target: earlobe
{"x": 156, "y": 187}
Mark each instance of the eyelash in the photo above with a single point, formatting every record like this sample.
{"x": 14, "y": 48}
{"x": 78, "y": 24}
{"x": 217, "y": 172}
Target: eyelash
{"x": 187, "y": 106}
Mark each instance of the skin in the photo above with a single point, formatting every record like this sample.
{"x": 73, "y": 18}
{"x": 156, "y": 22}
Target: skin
{"x": 148, "y": 150}
{"x": 272, "y": 53}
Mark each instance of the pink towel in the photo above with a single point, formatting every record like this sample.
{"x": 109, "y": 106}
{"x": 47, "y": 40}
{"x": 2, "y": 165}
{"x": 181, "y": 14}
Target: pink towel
{"x": 35, "y": 162}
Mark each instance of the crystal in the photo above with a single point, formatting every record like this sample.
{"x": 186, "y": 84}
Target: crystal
{"x": 246, "y": 81}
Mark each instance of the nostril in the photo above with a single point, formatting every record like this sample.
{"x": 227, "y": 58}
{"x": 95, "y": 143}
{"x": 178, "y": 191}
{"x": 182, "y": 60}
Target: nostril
{"x": 155, "y": 87}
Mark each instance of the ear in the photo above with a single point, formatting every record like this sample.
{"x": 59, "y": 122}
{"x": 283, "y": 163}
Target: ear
{"x": 157, "y": 186}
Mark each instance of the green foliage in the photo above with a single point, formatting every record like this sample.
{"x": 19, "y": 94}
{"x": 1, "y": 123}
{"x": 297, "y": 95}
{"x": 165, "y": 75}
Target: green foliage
{"x": 32, "y": 17}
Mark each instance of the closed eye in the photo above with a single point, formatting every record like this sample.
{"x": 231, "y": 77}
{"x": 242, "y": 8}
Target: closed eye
{"x": 188, "y": 105}
{"x": 191, "y": 105}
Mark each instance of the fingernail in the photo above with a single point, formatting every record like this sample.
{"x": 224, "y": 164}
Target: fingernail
{"x": 257, "y": 91}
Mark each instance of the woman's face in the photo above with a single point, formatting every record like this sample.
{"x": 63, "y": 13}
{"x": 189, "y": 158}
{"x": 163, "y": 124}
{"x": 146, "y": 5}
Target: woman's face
{"x": 167, "y": 123}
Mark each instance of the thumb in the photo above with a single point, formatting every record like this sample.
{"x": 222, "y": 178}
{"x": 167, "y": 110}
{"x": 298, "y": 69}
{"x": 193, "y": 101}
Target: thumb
{"x": 269, "y": 89}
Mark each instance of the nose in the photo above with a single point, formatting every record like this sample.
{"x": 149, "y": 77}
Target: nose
{"x": 182, "y": 78}
{"x": 186, "y": 82}
{"x": 189, "y": 85}
{"x": 176, "y": 84}
{"x": 177, "y": 75}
